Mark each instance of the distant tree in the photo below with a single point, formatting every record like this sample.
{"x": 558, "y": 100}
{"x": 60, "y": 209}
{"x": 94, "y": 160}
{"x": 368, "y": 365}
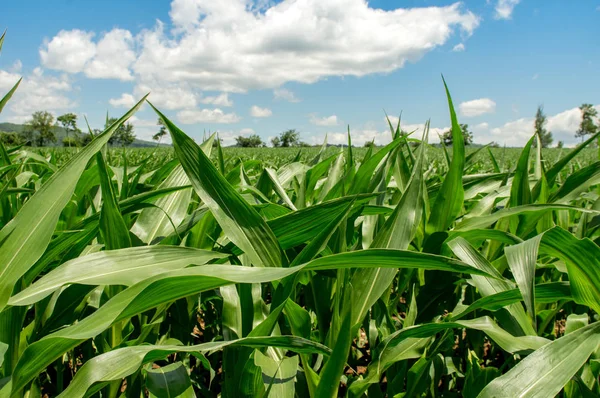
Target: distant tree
{"x": 70, "y": 141}
{"x": 11, "y": 138}
{"x": 69, "y": 122}
{"x": 369, "y": 144}
{"x": 276, "y": 142}
{"x": 587, "y": 126}
{"x": 85, "y": 139}
{"x": 289, "y": 138}
{"x": 467, "y": 135}
{"x": 252, "y": 141}
{"x": 494, "y": 144}
{"x": 161, "y": 133}
{"x": 40, "y": 128}
{"x": 560, "y": 144}
{"x": 540, "y": 128}
{"x": 124, "y": 135}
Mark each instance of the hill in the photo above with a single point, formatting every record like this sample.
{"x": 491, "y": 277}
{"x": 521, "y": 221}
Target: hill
{"x": 61, "y": 133}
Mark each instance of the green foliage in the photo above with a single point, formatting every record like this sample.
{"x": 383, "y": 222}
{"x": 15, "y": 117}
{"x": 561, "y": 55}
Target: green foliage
{"x": 467, "y": 136}
{"x": 252, "y": 141}
{"x": 40, "y": 129}
{"x": 587, "y": 125}
{"x": 161, "y": 133}
{"x": 11, "y": 138}
{"x": 286, "y": 139}
{"x": 124, "y": 136}
{"x": 540, "y": 128}
{"x": 69, "y": 122}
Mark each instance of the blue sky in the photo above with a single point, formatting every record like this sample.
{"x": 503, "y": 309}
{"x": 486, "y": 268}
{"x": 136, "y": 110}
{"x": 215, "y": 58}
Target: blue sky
{"x": 242, "y": 67}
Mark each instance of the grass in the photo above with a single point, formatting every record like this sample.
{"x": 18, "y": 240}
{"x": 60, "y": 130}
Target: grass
{"x": 199, "y": 270}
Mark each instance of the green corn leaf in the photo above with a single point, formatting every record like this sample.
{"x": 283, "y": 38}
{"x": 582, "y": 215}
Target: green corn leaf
{"x": 409, "y": 342}
{"x": 488, "y": 286}
{"x": 9, "y": 95}
{"x": 397, "y": 233}
{"x": 154, "y": 224}
{"x": 519, "y": 192}
{"x": 545, "y": 372}
{"x": 24, "y": 239}
{"x": 544, "y": 293}
{"x": 168, "y": 381}
{"x": 242, "y": 224}
{"x": 278, "y": 375}
{"x": 122, "y": 362}
{"x": 522, "y": 262}
{"x": 113, "y": 229}
{"x": 582, "y": 257}
{"x": 449, "y": 200}
{"x": 487, "y": 220}
{"x": 115, "y": 267}
{"x": 173, "y": 285}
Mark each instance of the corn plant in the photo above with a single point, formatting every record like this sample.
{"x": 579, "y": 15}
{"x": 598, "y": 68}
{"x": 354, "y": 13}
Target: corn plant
{"x": 399, "y": 271}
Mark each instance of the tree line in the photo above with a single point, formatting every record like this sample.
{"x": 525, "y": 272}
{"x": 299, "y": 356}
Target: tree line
{"x": 288, "y": 138}
{"x": 41, "y": 130}
{"x": 589, "y": 125}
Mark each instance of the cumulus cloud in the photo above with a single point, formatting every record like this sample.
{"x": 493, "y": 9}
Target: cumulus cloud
{"x": 192, "y": 116}
{"x": 257, "y": 111}
{"x": 333, "y": 38}
{"x": 169, "y": 96}
{"x": 68, "y": 51}
{"x": 504, "y": 8}
{"x": 229, "y": 136}
{"x": 219, "y": 100}
{"x": 477, "y": 107}
{"x": 209, "y": 47}
{"x": 36, "y": 92}
{"x": 114, "y": 55}
{"x": 458, "y": 48}
{"x": 125, "y": 101}
{"x": 324, "y": 121}
{"x": 285, "y": 95}
{"x": 74, "y": 51}
{"x": 517, "y": 132}
{"x": 372, "y": 134}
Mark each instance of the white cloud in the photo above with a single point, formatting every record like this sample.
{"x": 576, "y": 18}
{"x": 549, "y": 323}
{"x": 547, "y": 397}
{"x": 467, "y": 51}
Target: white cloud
{"x": 480, "y": 127}
{"x": 208, "y": 48}
{"x": 380, "y": 137}
{"x": 68, "y": 51}
{"x": 220, "y": 100}
{"x": 504, "y": 8}
{"x": 211, "y": 50}
{"x": 16, "y": 66}
{"x": 191, "y": 116}
{"x": 35, "y": 93}
{"x": 146, "y": 128}
{"x": 229, "y": 136}
{"x": 477, "y": 107}
{"x": 517, "y": 132}
{"x": 74, "y": 51}
{"x": 125, "y": 101}
{"x": 168, "y": 96}
{"x": 324, "y": 121}
{"x": 114, "y": 55}
{"x": 459, "y": 48}
{"x": 257, "y": 111}
{"x": 285, "y": 94}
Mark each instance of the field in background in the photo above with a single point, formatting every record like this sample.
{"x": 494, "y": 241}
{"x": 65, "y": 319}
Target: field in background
{"x": 506, "y": 157}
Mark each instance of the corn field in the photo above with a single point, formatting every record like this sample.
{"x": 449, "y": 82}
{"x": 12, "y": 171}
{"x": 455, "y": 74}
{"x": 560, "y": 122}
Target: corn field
{"x": 401, "y": 271}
